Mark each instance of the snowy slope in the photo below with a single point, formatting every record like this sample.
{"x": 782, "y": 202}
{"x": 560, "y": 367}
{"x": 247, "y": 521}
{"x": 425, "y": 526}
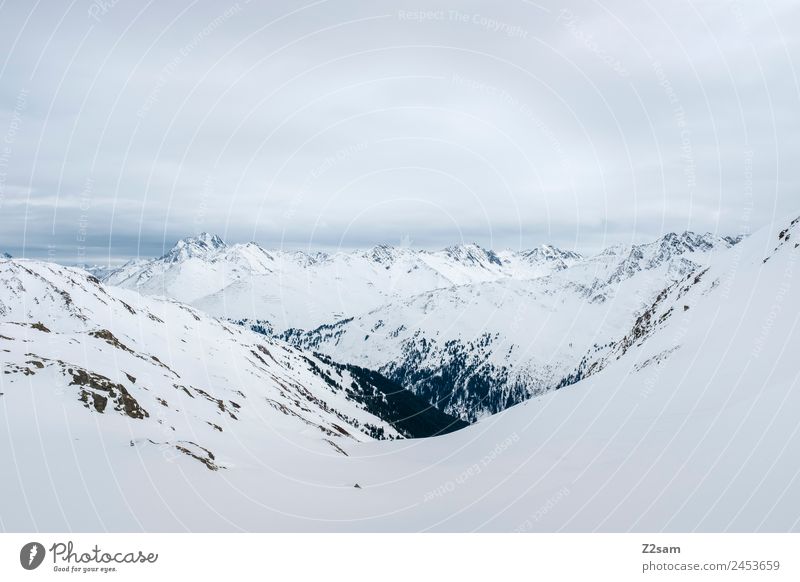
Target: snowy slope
{"x": 476, "y": 349}
{"x": 147, "y": 373}
{"x": 689, "y": 424}
{"x": 303, "y": 290}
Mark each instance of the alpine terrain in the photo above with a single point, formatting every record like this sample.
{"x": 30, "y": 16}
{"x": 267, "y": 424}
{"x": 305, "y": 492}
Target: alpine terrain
{"x": 294, "y": 289}
{"x": 470, "y": 330}
{"x": 112, "y": 370}
{"x": 132, "y": 413}
{"x": 476, "y": 349}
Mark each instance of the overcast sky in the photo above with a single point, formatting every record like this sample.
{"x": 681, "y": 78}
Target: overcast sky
{"x": 126, "y": 125}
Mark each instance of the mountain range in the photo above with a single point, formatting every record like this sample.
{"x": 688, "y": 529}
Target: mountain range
{"x": 677, "y": 412}
{"x": 474, "y": 350}
{"x": 295, "y": 289}
{"x": 470, "y": 330}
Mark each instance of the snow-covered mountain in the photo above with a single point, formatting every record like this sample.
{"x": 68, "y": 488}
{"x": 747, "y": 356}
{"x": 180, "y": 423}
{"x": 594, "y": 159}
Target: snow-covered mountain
{"x": 469, "y": 330}
{"x": 156, "y": 374}
{"x": 685, "y": 420}
{"x": 282, "y": 289}
{"x": 476, "y": 349}
{"x": 688, "y": 423}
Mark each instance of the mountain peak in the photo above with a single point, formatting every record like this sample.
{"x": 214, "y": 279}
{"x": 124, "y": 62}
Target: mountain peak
{"x": 549, "y": 254}
{"x": 666, "y": 249}
{"x": 690, "y": 241}
{"x": 202, "y": 245}
{"x": 207, "y": 238}
{"x": 472, "y": 254}
{"x": 384, "y": 254}
{"x": 380, "y": 249}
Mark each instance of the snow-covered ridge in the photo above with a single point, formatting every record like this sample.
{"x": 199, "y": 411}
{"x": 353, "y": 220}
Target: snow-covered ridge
{"x": 166, "y": 375}
{"x": 470, "y": 330}
{"x": 474, "y": 350}
{"x": 295, "y": 289}
{"x": 299, "y": 289}
{"x": 686, "y": 423}
{"x": 204, "y": 245}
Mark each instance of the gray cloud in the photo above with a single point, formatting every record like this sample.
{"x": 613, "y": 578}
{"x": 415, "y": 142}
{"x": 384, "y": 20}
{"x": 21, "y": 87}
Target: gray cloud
{"x": 125, "y": 126}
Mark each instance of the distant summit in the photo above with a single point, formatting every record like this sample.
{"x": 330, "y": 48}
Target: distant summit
{"x": 303, "y": 290}
{"x": 672, "y": 245}
{"x": 473, "y": 255}
{"x": 202, "y": 245}
{"x": 545, "y": 254}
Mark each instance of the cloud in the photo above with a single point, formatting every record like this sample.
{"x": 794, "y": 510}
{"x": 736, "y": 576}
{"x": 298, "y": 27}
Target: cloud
{"x": 349, "y": 123}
